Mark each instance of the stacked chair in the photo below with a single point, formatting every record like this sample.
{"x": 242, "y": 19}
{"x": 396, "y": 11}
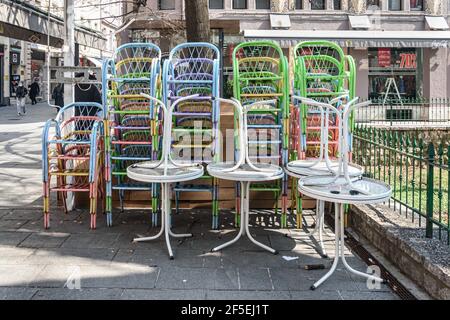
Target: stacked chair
{"x": 321, "y": 72}
{"x": 73, "y": 152}
{"x": 133, "y": 124}
{"x": 193, "y": 69}
{"x": 261, "y": 74}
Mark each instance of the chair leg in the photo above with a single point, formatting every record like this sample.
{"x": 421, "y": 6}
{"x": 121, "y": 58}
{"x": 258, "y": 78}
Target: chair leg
{"x": 46, "y": 205}
{"x": 177, "y": 204}
{"x": 93, "y": 205}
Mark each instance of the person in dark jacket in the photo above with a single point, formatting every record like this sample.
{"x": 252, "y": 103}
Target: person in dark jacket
{"x": 86, "y": 92}
{"x": 21, "y": 93}
{"x": 34, "y": 91}
{"x": 58, "y": 95}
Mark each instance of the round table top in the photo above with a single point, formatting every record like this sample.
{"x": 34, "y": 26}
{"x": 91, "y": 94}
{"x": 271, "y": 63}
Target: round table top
{"x": 245, "y": 172}
{"x": 145, "y": 172}
{"x": 302, "y": 168}
{"x": 339, "y": 191}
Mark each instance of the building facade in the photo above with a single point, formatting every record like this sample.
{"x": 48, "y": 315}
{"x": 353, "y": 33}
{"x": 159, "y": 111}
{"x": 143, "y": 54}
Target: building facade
{"x": 417, "y": 61}
{"x": 24, "y": 29}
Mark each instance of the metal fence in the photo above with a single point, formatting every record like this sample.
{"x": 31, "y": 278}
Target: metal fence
{"x": 412, "y": 111}
{"x": 418, "y": 172}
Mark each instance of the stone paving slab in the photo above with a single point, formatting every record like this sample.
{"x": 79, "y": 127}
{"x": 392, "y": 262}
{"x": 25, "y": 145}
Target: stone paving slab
{"x": 44, "y": 240}
{"x": 255, "y": 278}
{"x": 247, "y": 294}
{"x": 19, "y": 275}
{"x": 10, "y": 238}
{"x": 11, "y": 225}
{"x": 186, "y": 278}
{"x": 71, "y": 256}
{"x": 85, "y": 294}
{"x": 107, "y": 276}
{"x": 164, "y": 294}
{"x": 17, "y": 293}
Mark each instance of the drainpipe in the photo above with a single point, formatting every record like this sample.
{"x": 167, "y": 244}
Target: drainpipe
{"x": 48, "y": 57}
{"x": 69, "y": 46}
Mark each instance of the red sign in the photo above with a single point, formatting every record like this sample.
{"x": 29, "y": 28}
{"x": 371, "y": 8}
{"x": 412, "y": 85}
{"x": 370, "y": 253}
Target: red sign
{"x": 384, "y": 57}
{"x": 408, "y": 60}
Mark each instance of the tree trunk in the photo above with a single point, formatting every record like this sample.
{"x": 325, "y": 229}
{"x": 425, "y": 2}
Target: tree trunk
{"x": 197, "y": 21}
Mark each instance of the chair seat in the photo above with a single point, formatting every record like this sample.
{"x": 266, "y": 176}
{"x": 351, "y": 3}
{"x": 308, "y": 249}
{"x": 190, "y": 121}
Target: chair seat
{"x": 339, "y": 191}
{"x": 301, "y": 168}
{"x": 145, "y": 172}
{"x": 245, "y": 172}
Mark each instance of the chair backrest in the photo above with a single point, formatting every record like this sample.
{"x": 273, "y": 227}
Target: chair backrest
{"x": 319, "y": 69}
{"x": 76, "y": 119}
{"x": 135, "y": 68}
{"x": 192, "y": 68}
{"x": 134, "y": 60}
{"x": 259, "y": 67}
{"x": 260, "y": 73}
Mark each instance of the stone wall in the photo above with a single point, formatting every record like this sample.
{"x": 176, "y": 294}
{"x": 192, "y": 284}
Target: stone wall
{"x": 434, "y": 7}
{"x": 424, "y": 261}
{"x": 357, "y": 6}
{"x": 282, "y": 6}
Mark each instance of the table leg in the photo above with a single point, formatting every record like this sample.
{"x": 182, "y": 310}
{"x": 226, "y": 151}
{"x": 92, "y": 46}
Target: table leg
{"x": 319, "y": 226}
{"x": 166, "y": 215}
{"x": 246, "y": 190}
{"x": 339, "y": 247}
{"x": 336, "y": 251}
{"x": 241, "y": 226}
{"x": 165, "y": 221}
{"x": 244, "y": 221}
{"x": 359, "y": 273}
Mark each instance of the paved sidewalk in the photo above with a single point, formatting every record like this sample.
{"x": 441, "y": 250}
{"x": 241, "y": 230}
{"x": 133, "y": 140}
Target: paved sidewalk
{"x": 36, "y": 263}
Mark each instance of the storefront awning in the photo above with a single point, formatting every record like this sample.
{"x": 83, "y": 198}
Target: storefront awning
{"x": 359, "y": 22}
{"x": 97, "y": 62}
{"x": 436, "y": 23}
{"x": 357, "y": 38}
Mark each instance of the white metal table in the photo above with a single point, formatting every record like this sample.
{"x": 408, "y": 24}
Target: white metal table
{"x": 323, "y": 165}
{"x": 341, "y": 192}
{"x": 165, "y": 172}
{"x": 245, "y": 172}
{"x": 165, "y": 175}
{"x": 245, "y": 175}
{"x": 341, "y": 187}
{"x": 305, "y": 168}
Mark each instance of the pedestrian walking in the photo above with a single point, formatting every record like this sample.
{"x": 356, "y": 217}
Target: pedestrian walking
{"x": 34, "y": 91}
{"x": 58, "y": 95}
{"x": 21, "y": 93}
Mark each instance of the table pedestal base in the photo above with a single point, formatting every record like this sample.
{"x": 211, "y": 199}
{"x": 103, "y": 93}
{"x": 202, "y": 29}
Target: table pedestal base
{"x": 244, "y": 221}
{"x": 165, "y": 221}
{"x": 339, "y": 249}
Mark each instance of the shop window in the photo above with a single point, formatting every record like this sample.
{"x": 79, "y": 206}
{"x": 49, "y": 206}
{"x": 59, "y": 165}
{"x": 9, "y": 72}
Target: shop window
{"x": 216, "y": 4}
{"x": 337, "y": 4}
{"x": 239, "y": 4}
{"x": 317, "y": 4}
{"x": 395, "y": 5}
{"x": 166, "y": 4}
{"x": 399, "y": 66}
{"x": 416, "y": 5}
{"x": 298, "y": 4}
{"x": 373, "y": 4}
{"x": 262, "y": 4}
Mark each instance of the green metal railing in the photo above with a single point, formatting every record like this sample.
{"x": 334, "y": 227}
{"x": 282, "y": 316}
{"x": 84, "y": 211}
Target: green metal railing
{"x": 407, "y": 110}
{"x": 418, "y": 172}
